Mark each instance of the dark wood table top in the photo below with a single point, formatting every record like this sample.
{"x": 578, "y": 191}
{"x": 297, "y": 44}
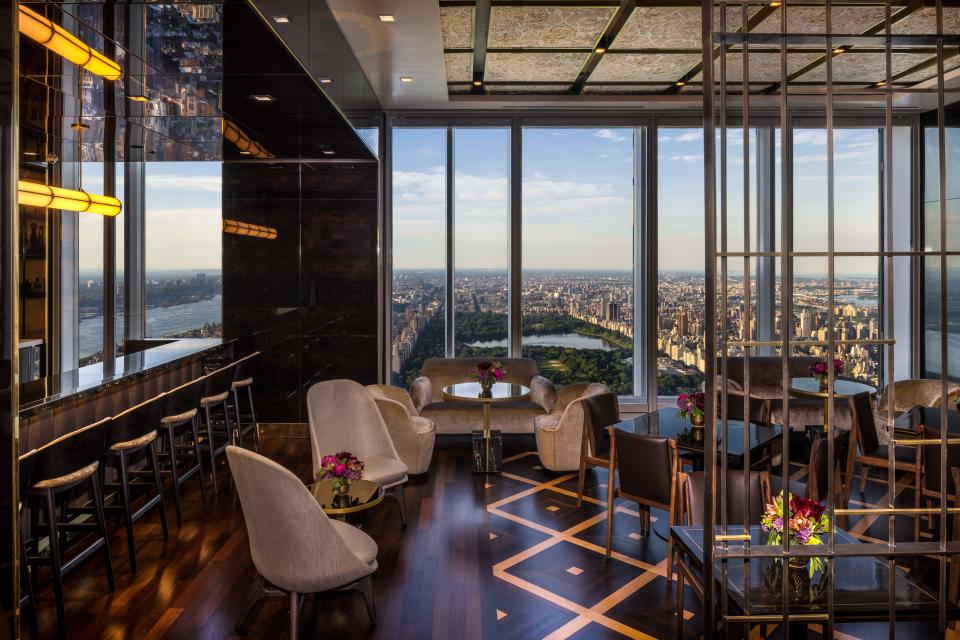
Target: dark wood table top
{"x": 860, "y": 583}
{"x": 665, "y": 423}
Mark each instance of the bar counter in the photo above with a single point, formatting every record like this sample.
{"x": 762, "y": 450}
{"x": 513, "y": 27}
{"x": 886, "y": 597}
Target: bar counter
{"x": 61, "y": 403}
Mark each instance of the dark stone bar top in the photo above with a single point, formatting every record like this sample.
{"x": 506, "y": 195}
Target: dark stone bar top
{"x": 96, "y": 378}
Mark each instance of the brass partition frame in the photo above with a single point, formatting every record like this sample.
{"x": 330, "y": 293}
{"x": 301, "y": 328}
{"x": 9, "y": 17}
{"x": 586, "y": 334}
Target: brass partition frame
{"x": 719, "y": 42}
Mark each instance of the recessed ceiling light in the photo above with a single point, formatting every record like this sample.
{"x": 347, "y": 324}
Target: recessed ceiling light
{"x": 32, "y": 154}
{"x": 244, "y": 153}
{"x": 281, "y": 19}
{"x": 478, "y": 83}
{"x": 79, "y": 126}
{"x": 600, "y": 49}
{"x": 406, "y": 79}
{"x": 328, "y": 152}
{"x": 882, "y": 83}
{"x": 262, "y": 97}
{"x": 839, "y": 50}
{"x": 325, "y": 80}
{"x": 387, "y": 17}
{"x": 680, "y": 83}
{"x": 775, "y": 3}
{"x": 138, "y": 98}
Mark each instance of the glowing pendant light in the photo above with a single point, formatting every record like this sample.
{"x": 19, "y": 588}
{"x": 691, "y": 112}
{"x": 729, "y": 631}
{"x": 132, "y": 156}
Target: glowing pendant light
{"x": 40, "y": 195}
{"x": 235, "y": 135}
{"x": 62, "y": 42}
{"x": 247, "y": 229}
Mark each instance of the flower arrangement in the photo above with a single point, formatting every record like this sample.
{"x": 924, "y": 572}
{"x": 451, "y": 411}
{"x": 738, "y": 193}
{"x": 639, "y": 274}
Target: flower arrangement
{"x": 819, "y": 370}
{"x": 692, "y": 405}
{"x": 488, "y": 372}
{"x": 343, "y": 468}
{"x": 806, "y": 524}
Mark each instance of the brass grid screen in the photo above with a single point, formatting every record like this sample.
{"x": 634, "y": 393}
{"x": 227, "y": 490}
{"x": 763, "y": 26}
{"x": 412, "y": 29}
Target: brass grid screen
{"x": 729, "y": 57}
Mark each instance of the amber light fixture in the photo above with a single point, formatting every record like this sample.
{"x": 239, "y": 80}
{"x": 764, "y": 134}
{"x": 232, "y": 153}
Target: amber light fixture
{"x": 62, "y": 42}
{"x": 235, "y": 135}
{"x": 247, "y": 229}
{"x": 40, "y": 195}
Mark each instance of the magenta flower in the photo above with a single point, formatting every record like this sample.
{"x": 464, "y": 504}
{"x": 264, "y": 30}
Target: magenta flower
{"x": 328, "y": 460}
{"x": 339, "y": 469}
{"x": 498, "y": 374}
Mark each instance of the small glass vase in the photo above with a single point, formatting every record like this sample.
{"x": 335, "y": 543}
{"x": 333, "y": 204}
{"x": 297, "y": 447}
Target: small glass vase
{"x": 822, "y": 381}
{"x": 341, "y": 493}
{"x": 486, "y": 386}
{"x": 799, "y": 574}
{"x": 698, "y": 419}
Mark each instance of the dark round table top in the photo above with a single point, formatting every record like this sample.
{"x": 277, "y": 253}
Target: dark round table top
{"x": 500, "y": 392}
{"x": 842, "y": 388}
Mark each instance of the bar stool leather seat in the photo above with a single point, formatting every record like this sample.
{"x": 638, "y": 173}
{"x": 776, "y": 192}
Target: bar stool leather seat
{"x": 180, "y": 417}
{"x": 240, "y": 384}
{"x": 217, "y": 399}
{"x": 136, "y": 442}
{"x": 68, "y": 479}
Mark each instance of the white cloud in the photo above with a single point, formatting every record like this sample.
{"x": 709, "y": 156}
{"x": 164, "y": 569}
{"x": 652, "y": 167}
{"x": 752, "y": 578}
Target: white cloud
{"x": 607, "y": 134}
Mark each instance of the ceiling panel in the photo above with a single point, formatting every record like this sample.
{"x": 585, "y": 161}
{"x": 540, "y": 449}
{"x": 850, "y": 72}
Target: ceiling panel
{"x": 659, "y": 27}
{"x": 456, "y": 26}
{"x": 643, "y": 67}
{"x": 459, "y": 66}
{"x": 519, "y": 89}
{"x": 924, "y": 22}
{"x": 949, "y": 64}
{"x": 863, "y": 67}
{"x": 814, "y": 20}
{"x": 534, "y": 67}
{"x": 624, "y": 89}
{"x": 547, "y": 27}
{"x": 764, "y": 67}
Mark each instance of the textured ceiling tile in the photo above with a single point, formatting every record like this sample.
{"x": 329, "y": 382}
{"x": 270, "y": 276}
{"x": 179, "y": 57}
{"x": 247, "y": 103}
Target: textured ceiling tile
{"x": 459, "y": 66}
{"x": 521, "y": 89}
{"x": 456, "y": 27}
{"x": 814, "y": 20}
{"x": 949, "y": 64}
{"x": 924, "y": 22}
{"x": 629, "y": 67}
{"x": 547, "y": 27}
{"x": 534, "y": 67}
{"x": 764, "y": 67}
{"x": 624, "y": 89}
{"x": 734, "y": 17}
{"x": 659, "y": 27}
{"x": 863, "y": 67}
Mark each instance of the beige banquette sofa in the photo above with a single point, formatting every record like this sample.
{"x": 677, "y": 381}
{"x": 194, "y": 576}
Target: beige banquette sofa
{"x": 452, "y": 417}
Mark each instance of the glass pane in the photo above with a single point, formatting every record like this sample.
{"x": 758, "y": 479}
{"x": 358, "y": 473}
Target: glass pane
{"x": 680, "y": 269}
{"x": 183, "y": 247}
{"x": 577, "y": 283}
{"x": 419, "y": 250}
{"x": 118, "y": 298}
{"x": 91, "y": 270}
{"x": 481, "y": 210}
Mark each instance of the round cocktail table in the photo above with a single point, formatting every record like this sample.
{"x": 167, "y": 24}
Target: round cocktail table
{"x": 842, "y": 390}
{"x": 363, "y": 495}
{"x": 487, "y": 444}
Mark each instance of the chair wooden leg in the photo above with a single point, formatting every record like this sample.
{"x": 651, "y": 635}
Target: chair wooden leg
{"x": 158, "y": 481}
{"x": 127, "y": 511}
{"x": 610, "y": 511}
{"x": 177, "y": 506}
{"x": 863, "y": 479}
{"x": 54, "y": 536}
{"x": 253, "y": 419}
{"x": 669, "y": 558}
{"x": 679, "y": 610}
{"x": 580, "y": 480}
{"x": 196, "y": 452}
{"x": 295, "y": 601}
{"x": 102, "y": 526}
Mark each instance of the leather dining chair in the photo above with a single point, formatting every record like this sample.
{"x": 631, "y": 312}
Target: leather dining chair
{"x": 647, "y": 469}
{"x": 602, "y": 411}
{"x": 295, "y": 547}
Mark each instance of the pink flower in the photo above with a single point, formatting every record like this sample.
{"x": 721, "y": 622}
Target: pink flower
{"x": 339, "y": 469}
{"x": 498, "y": 374}
{"x": 328, "y": 460}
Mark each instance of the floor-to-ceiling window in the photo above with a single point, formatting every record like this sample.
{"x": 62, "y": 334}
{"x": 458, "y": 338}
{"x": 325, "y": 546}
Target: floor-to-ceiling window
{"x": 680, "y": 254}
{"x": 183, "y": 249}
{"x": 932, "y": 320}
{"x": 419, "y": 250}
{"x": 90, "y": 270}
{"x": 577, "y": 291}
{"x": 481, "y": 227}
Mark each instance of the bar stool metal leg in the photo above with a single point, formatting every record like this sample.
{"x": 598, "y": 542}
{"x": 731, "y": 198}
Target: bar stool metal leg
{"x": 236, "y": 405}
{"x": 211, "y": 445}
{"x": 196, "y": 450}
{"x": 127, "y": 512}
{"x": 158, "y": 482}
{"x": 54, "y": 536}
{"x": 102, "y": 524}
{"x": 176, "y": 480}
{"x": 253, "y": 419}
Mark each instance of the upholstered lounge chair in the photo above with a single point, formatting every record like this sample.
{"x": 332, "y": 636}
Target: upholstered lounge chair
{"x": 412, "y": 435}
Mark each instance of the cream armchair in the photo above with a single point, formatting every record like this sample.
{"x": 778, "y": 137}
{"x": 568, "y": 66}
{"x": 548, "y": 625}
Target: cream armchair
{"x": 344, "y": 417}
{"x": 412, "y": 435}
{"x": 560, "y": 432}
{"x": 907, "y": 394}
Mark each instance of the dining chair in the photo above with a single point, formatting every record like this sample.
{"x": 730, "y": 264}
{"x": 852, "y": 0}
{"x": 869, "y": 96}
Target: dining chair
{"x": 343, "y": 416}
{"x": 647, "y": 468}
{"x": 295, "y": 547}
{"x": 930, "y": 488}
{"x": 602, "y": 411}
{"x": 816, "y": 484}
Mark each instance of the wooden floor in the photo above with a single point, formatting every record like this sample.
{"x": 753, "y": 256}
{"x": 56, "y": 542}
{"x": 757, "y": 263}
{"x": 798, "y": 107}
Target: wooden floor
{"x": 498, "y": 556}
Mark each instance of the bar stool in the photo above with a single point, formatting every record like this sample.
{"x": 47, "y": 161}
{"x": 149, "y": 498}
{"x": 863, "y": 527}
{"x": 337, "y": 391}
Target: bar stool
{"x": 68, "y": 462}
{"x": 179, "y": 410}
{"x": 246, "y": 368}
{"x": 216, "y": 392}
{"x": 28, "y": 601}
{"x": 135, "y": 431}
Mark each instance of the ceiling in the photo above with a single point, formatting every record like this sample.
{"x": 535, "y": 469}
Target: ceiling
{"x": 547, "y": 52}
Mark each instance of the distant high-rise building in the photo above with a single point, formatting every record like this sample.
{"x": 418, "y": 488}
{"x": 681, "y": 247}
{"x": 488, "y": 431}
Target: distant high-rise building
{"x": 611, "y": 311}
{"x": 806, "y": 323}
{"x": 682, "y": 322}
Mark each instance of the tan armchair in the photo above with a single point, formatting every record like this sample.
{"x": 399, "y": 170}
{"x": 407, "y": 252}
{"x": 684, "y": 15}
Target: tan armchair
{"x": 560, "y": 432}
{"x": 515, "y": 416}
{"x": 412, "y": 435}
{"x": 907, "y": 394}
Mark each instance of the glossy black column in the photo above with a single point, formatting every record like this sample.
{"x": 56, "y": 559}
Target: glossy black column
{"x": 9, "y": 149}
